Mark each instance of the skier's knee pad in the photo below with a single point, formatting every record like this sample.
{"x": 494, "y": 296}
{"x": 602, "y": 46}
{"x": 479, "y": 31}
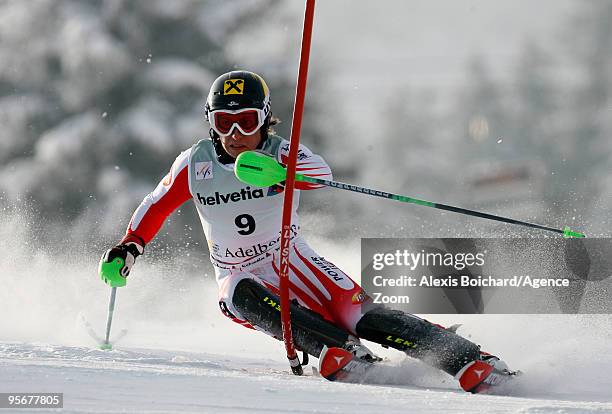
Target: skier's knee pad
{"x": 261, "y": 308}
{"x": 418, "y": 338}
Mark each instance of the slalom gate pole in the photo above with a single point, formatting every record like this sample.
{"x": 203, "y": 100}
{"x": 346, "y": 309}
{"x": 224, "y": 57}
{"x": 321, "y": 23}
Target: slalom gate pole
{"x": 261, "y": 170}
{"x": 296, "y": 124}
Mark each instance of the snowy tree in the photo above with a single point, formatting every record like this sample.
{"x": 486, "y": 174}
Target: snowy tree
{"x": 97, "y": 98}
{"x": 587, "y": 152}
{"x": 484, "y": 114}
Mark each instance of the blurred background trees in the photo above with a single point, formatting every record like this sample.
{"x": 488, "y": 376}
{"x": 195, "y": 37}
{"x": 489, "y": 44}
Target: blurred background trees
{"x": 97, "y": 98}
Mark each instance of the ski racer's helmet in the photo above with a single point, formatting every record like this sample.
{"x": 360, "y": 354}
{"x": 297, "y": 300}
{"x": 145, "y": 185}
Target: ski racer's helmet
{"x": 241, "y": 100}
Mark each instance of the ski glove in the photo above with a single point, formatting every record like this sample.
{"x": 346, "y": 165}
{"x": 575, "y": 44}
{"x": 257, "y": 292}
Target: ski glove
{"x": 117, "y": 262}
{"x": 277, "y": 188}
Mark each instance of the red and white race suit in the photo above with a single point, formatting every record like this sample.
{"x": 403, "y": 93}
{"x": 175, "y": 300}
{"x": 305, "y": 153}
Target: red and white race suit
{"x": 242, "y": 227}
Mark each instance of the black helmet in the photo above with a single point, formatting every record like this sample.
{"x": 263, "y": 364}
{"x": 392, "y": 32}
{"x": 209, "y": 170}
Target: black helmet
{"x": 237, "y": 90}
{"x": 233, "y": 91}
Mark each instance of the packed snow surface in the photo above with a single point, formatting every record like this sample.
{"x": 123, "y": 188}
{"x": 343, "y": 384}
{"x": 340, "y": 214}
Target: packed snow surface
{"x": 182, "y": 355}
{"x": 132, "y": 380}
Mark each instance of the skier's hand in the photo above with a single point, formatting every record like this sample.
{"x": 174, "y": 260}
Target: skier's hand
{"x": 116, "y": 263}
{"x": 278, "y": 188}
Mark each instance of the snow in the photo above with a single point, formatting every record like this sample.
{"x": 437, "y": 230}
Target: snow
{"x": 181, "y": 354}
{"x": 133, "y": 380}
{"x": 172, "y": 75}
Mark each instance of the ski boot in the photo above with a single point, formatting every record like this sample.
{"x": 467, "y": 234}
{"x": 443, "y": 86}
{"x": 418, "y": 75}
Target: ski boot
{"x": 346, "y": 364}
{"x": 480, "y": 375}
{"x": 360, "y": 351}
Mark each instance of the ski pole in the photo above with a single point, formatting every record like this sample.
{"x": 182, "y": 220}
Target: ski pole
{"x": 261, "y": 170}
{"x": 106, "y": 345}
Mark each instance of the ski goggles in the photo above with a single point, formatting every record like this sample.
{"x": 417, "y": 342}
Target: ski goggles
{"x": 247, "y": 120}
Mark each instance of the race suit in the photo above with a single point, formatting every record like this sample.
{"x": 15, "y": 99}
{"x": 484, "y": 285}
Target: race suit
{"x": 242, "y": 226}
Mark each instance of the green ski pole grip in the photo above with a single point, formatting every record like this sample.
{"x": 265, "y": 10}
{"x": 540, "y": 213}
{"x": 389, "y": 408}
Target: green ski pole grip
{"x": 110, "y": 272}
{"x": 260, "y": 170}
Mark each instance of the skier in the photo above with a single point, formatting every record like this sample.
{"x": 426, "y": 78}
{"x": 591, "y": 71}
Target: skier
{"x": 242, "y": 227}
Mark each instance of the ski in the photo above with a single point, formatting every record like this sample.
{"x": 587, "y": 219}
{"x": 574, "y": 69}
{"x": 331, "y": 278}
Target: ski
{"x": 338, "y": 364}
